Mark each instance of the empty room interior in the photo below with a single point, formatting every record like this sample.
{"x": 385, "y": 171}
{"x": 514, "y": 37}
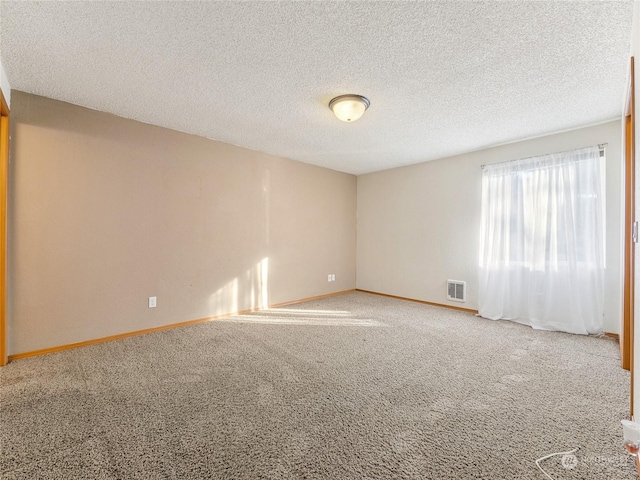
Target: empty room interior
{"x": 338, "y": 240}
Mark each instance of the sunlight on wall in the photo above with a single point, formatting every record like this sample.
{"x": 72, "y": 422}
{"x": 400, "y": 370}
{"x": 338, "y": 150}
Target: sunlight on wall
{"x": 247, "y": 292}
{"x": 225, "y": 299}
{"x": 250, "y": 293}
{"x": 264, "y": 283}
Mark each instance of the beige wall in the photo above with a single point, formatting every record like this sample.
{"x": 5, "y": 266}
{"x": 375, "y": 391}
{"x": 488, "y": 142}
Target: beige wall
{"x": 105, "y": 212}
{"x": 419, "y": 225}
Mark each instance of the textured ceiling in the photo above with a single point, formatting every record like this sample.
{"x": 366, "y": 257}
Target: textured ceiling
{"x": 443, "y": 77}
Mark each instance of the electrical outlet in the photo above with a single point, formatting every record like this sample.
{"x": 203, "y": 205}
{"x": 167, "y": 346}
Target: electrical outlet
{"x": 152, "y": 302}
{"x": 333, "y": 277}
{"x": 329, "y": 279}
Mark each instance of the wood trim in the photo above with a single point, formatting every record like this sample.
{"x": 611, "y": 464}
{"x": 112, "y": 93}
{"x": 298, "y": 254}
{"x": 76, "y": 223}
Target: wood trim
{"x": 111, "y": 338}
{"x": 120, "y": 336}
{"x": 632, "y": 137}
{"x": 470, "y": 310}
{"x": 4, "y": 166}
{"x": 628, "y": 290}
{"x": 628, "y": 319}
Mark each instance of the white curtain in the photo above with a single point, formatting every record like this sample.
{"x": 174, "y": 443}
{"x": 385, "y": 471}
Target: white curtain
{"x": 542, "y": 242}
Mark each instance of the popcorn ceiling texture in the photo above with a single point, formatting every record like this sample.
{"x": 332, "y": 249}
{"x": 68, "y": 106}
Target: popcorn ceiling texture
{"x": 443, "y": 77}
{"x": 355, "y": 386}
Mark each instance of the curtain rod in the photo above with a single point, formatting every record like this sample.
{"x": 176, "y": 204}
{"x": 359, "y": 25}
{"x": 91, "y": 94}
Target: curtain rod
{"x": 600, "y": 146}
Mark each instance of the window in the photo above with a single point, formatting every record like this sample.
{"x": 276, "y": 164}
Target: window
{"x": 542, "y": 240}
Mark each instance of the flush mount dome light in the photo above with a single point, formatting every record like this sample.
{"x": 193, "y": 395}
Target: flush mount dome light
{"x": 349, "y": 108}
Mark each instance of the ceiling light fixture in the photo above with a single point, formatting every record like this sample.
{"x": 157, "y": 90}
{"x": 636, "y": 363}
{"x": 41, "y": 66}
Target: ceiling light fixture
{"x": 349, "y": 108}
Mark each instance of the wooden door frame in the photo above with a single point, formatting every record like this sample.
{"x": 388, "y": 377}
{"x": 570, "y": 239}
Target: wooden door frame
{"x": 626, "y": 345}
{"x": 4, "y": 164}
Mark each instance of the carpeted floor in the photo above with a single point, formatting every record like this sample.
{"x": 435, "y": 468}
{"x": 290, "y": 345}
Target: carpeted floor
{"x": 355, "y": 386}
